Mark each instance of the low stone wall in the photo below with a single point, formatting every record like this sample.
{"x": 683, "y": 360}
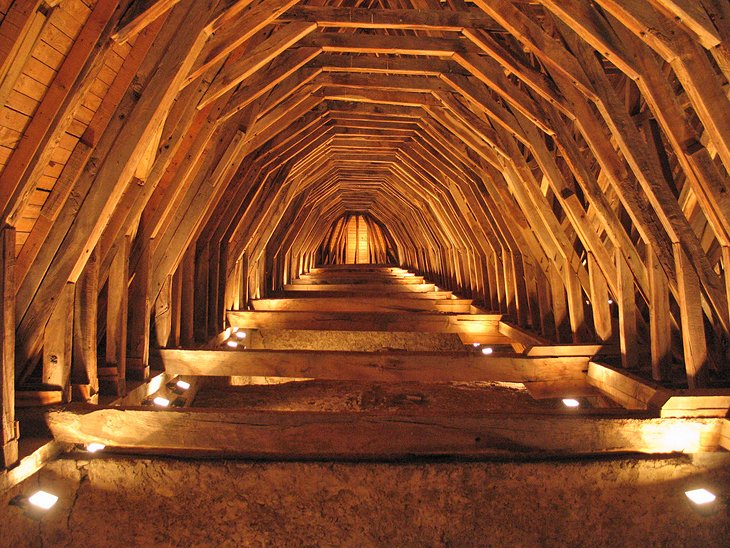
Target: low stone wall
{"x": 109, "y": 501}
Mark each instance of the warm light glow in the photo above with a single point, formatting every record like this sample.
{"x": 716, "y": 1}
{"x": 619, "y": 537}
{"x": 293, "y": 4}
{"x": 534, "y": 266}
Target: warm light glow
{"x": 232, "y": 344}
{"x": 610, "y": 301}
{"x": 162, "y": 402}
{"x": 94, "y": 447}
{"x": 241, "y": 334}
{"x": 487, "y": 350}
{"x": 475, "y": 345}
{"x": 700, "y": 496}
{"x": 41, "y": 499}
{"x": 570, "y": 402}
{"x": 182, "y": 385}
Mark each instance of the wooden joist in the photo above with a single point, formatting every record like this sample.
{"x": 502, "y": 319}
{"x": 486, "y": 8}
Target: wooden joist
{"x": 363, "y": 304}
{"x": 372, "y": 366}
{"x": 8, "y": 426}
{"x": 486, "y": 325}
{"x": 301, "y": 435}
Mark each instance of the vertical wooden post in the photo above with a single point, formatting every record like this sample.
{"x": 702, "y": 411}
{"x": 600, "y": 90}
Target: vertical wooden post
{"x": 626, "y": 312}
{"x": 84, "y": 373}
{"x": 560, "y": 306}
{"x": 187, "y": 337}
{"x": 693, "y": 325}
{"x": 57, "y": 343}
{"x": 659, "y": 317}
{"x": 9, "y": 431}
{"x": 115, "y": 370}
{"x": 599, "y": 300}
{"x": 163, "y": 313}
{"x": 726, "y": 269}
{"x": 200, "y": 324}
{"x": 576, "y": 305}
{"x": 547, "y": 323}
{"x": 175, "y": 306}
{"x": 138, "y": 319}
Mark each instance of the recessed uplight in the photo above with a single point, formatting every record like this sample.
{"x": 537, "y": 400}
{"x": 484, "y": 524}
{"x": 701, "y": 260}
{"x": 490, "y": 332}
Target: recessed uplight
{"x": 487, "y": 350}
{"x": 570, "y": 402}
{"x": 95, "y": 447}
{"x": 241, "y": 334}
{"x": 700, "y": 496}
{"x": 182, "y": 385}
{"x": 232, "y": 344}
{"x": 475, "y": 345}
{"x": 610, "y": 301}
{"x": 162, "y": 402}
{"x": 43, "y": 500}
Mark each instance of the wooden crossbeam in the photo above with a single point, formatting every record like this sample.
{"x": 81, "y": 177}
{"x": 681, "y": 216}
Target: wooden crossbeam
{"x": 363, "y": 304}
{"x": 372, "y": 366}
{"x": 474, "y": 324}
{"x": 302, "y": 435}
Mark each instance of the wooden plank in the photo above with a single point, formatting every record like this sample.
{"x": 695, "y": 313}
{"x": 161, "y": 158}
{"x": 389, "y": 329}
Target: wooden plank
{"x": 57, "y": 343}
{"x": 31, "y": 464}
{"x": 116, "y": 319}
{"x": 363, "y": 304}
{"x": 622, "y": 387}
{"x": 694, "y": 341}
{"x": 660, "y": 318}
{"x": 138, "y": 16}
{"x": 599, "y": 301}
{"x": 487, "y": 324}
{"x": 8, "y": 425}
{"x": 302, "y": 435}
{"x": 626, "y": 297}
{"x": 236, "y": 33}
{"x": 697, "y": 403}
{"x": 372, "y": 366}
{"x": 590, "y": 350}
{"x": 84, "y": 376}
{"x": 232, "y": 74}
{"x": 361, "y": 288}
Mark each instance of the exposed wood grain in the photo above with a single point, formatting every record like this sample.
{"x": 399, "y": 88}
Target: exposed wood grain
{"x": 296, "y": 435}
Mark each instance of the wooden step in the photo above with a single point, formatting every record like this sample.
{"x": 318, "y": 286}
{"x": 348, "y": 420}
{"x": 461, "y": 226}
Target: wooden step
{"x": 364, "y": 304}
{"x": 353, "y": 293}
{"x": 374, "y": 288}
{"x": 485, "y": 326}
{"x": 322, "y": 435}
{"x": 358, "y": 280}
{"x": 372, "y": 366}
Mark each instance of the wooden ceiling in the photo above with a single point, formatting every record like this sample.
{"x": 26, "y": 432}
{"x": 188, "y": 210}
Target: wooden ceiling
{"x": 562, "y": 161}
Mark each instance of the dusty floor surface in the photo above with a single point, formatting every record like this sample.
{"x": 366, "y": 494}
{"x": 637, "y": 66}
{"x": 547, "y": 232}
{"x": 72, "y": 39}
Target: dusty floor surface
{"x": 140, "y": 502}
{"x": 380, "y": 397}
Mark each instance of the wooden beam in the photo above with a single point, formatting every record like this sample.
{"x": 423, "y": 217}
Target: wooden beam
{"x": 693, "y": 324}
{"x": 372, "y": 366}
{"x": 84, "y": 366}
{"x": 302, "y": 435}
{"x": 626, "y": 297}
{"x": 599, "y": 301}
{"x": 364, "y": 304}
{"x": 660, "y": 318}
{"x": 57, "y": 343}
{"x": 116, "y": 320}
{"x": 139, "y": 15}
{"x": 9, "y": 431}
{"x": 234, "y": 73}
{"x": 482, "y": 324}
{"x": 623, "y": 388}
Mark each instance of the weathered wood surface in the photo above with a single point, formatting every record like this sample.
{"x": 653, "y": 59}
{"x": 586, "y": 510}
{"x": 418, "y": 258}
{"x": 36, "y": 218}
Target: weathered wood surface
{"x": 363, "y": 304}
{"x": 300, "y": 435}
{"x": 8, "y": 425}
{"x": 487, "y": 324}
{"x": 371, "y": 366}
